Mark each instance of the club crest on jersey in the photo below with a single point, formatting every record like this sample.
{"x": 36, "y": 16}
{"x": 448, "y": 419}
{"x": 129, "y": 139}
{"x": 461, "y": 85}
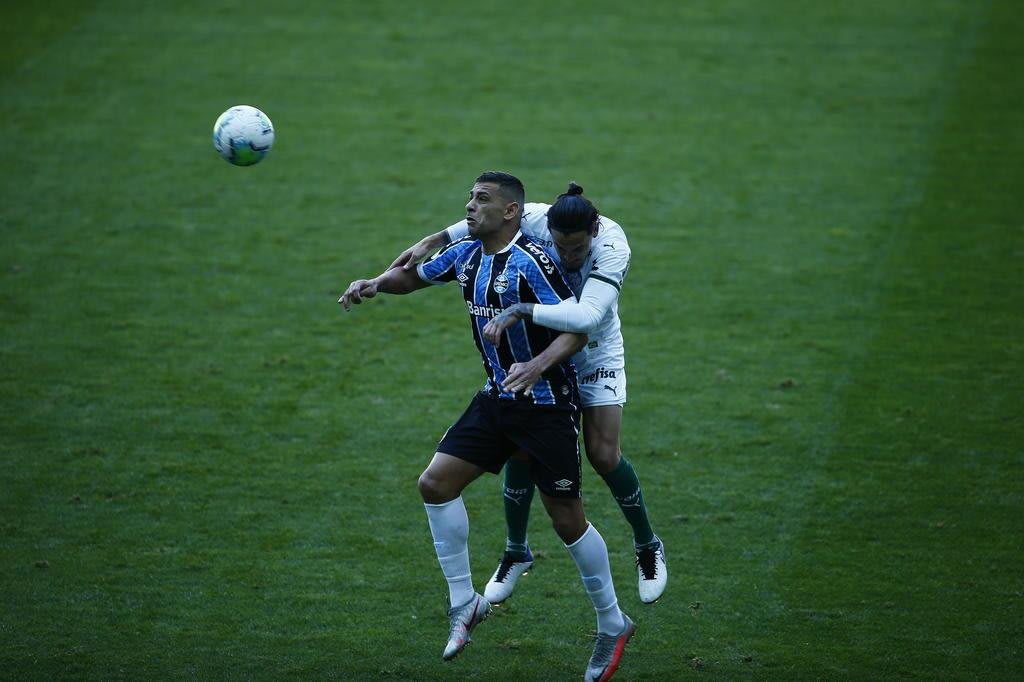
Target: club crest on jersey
{"x": 500, "y": 283}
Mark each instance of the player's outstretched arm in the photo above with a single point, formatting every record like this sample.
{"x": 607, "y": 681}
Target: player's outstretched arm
{"x": 394, "y": 281}
{"x": 408, "y": 259}
{"x": 522, "y": 376}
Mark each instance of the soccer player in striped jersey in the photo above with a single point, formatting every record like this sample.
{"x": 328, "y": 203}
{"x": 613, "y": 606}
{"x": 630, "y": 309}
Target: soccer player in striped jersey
{"x": 529, "y": 403}
{"x": 594, "y": 254}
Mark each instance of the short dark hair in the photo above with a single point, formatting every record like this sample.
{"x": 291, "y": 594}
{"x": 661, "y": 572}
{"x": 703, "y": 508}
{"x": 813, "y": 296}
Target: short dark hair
{"x": 509, "y": 185}
{"x": 572, "y": 212}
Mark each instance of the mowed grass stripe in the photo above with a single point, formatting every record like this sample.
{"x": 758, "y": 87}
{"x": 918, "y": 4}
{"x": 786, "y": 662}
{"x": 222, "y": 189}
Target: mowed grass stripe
{"x": 780, "y": 308}
{"x": 909, "y": 563}
{"x": 245, "y": 458}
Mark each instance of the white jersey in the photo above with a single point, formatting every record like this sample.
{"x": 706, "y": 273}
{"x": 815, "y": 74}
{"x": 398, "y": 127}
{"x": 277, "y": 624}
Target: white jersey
{"x": 602, "y": 273}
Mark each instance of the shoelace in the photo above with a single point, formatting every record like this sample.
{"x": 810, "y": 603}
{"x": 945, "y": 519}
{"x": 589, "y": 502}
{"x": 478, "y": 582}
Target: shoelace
{"x": 604, "y": 645}
{"x": 504, "y": 567}
{"x": 645, "y": 559}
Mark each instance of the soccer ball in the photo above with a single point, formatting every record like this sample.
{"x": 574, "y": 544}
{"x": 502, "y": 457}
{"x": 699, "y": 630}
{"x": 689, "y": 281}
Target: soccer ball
{"x": 243, "y": 135}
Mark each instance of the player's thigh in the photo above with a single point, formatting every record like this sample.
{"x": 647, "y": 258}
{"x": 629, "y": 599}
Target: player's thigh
{"x": 601, "y": 428}
{"x": 473, "y": 444}
{"x": 478, "y": 436}
{"x": 445, "y": 478}
{"x": 551, "y": 438}
{"x": 567, "y": 516}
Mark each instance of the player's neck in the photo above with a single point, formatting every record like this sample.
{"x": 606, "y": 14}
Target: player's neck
{"x": 493, "y": 243}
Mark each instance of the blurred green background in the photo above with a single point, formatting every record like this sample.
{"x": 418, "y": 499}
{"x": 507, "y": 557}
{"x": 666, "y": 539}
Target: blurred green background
{"x": 208, "y": 469}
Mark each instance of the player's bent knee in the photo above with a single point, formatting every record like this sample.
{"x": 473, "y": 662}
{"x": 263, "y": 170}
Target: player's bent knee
{"x": 604, "y": 458}
{"x": 569, "y": 524}
{"x": 433, "y": 490}
{"x": 569, "y": 530}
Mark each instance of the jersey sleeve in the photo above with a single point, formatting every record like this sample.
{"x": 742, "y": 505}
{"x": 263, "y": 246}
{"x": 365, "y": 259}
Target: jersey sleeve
{"x": 440, "y": 269}
{"x": 535, "y": 223}
{"x": 611, "y": 262}
{"x": 583, "y": 316}
{"x": 459, "y": 230}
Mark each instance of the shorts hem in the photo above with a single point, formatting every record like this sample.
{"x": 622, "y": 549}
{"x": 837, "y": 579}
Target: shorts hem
{"x": 604, "y": 403}
{"x": 468, "y": 459}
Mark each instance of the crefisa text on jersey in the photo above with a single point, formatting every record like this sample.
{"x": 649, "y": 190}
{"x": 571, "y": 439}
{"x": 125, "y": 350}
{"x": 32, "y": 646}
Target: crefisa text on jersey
{"x": 598, "y": 374}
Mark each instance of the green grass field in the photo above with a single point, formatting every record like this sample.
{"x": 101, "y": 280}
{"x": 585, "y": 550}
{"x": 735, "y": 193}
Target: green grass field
{"x": 208, "y": 469}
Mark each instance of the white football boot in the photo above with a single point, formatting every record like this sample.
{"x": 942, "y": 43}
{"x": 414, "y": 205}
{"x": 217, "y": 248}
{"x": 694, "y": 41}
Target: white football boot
{"x": 608, "y": 653}
{"x": 463, "y": 619}
{"x": 652, "y": 572}
{"x": 500, "y": 586}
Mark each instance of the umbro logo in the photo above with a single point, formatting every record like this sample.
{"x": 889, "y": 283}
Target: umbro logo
{"x": 462, "y": 277}
{"x": 563, "y": 484}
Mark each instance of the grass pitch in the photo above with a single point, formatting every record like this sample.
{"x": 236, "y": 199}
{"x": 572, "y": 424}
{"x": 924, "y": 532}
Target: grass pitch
{"x": 208, "y": 470}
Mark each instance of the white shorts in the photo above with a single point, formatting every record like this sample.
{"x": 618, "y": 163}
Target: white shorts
{"x": 602, "y": 386}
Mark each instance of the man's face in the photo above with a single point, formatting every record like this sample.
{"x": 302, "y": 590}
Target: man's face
{"x": 573, "y": 247}
{"x": 487, "y": 209}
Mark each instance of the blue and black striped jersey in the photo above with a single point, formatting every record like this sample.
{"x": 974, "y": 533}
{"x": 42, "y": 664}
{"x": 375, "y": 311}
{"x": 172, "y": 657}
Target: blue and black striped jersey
{"x": 521, "y": 272}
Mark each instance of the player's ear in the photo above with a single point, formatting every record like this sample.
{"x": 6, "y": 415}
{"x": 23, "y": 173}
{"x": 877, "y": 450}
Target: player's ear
{"x": 594, "y": 227}
{"x": 511, "y": 208}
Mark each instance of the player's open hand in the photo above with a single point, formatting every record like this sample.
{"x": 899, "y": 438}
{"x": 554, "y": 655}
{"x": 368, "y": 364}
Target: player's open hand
{"x": 408, "y": 259}
{"x": 357, "y": 291}
{"x": 521, "y": 377}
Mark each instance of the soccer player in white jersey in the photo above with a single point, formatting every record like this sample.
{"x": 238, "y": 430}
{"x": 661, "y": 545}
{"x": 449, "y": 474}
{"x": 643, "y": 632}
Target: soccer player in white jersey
{"x": 593, "y": 252}
{"x": 530, "y": 402}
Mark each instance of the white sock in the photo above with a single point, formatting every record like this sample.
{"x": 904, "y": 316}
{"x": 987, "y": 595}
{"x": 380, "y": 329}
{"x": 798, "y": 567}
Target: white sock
{"x": 591, "y": 555}
{"x": 449, "y": 524}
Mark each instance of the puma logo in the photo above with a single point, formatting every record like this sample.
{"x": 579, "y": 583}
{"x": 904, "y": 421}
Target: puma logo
{"x": 631, "y": 500}
{"x": 516, "y": 495}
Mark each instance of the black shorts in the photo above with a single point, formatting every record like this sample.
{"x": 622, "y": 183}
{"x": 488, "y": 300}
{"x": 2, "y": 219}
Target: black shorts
{"x": 492, "y": 429}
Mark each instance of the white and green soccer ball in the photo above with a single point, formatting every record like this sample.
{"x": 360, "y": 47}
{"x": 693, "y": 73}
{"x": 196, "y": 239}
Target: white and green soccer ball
{"x": 243, "y": 135}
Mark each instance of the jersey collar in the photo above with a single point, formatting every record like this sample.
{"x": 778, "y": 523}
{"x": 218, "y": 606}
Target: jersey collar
{"x": 508, "y": 246}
